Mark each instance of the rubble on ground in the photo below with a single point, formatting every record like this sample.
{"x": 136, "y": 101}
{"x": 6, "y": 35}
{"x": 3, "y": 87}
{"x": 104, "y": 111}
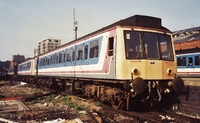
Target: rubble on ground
{"x": 51, "y": 108}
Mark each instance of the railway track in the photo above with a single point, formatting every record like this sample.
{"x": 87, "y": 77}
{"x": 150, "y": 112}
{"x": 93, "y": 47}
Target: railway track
{"x": 181, "y": 117}
{"x": 109, "y": 114}
{"x": 8, "y": 105}
{"x": 119, "y": 116}
{"x": 11, "y": 102}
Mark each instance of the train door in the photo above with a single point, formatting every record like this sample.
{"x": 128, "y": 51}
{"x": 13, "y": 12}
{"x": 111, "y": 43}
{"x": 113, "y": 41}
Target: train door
{"x": 73, "y": 49}
{"x": 111, "y": 57}
{"x": 85, "y": 59}
{"x": 79, "y": 60}
{"x": 36, "y": 66}
{"x": 112, "y": 45}
{"x": 190, "y": 65}
{"x": 197, "y": 65}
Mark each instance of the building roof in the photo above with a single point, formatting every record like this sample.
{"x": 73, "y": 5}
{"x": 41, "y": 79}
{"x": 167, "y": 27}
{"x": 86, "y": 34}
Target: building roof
{"x": 190, "y": 34}
{"x": 187, "y": 45}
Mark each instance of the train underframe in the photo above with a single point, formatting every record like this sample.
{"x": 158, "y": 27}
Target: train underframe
{"x": 121, "y": 94}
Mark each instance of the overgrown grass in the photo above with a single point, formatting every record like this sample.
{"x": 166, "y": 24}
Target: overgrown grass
{"x": 32, "y": 102}
{"x": 98, "y": 104}
{"x": 68, "y": 102}
{"x": 36, "y": 90}
{"x": 66, "y": 99}
{"x": 50, "y": 97}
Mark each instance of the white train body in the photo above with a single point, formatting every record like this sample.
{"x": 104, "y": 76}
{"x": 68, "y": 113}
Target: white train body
{"x": 129, "y": 58}
{"x": 188, "y": 64}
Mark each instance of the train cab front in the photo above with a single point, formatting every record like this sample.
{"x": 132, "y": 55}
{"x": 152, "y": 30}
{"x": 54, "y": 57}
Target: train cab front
{"x": 151, "y": 64}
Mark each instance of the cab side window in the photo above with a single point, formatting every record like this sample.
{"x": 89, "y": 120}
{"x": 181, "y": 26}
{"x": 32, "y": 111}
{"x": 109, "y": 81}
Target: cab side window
{"x": 110, "y": 46}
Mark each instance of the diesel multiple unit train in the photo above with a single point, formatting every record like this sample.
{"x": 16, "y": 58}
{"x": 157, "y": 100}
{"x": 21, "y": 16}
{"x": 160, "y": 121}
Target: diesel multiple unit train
{"x": 130, "y": 61}
{"x": 188, "y": 64}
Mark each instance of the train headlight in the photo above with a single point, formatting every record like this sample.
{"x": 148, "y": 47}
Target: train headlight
{"x": 169, "y": 71}
{"x": 135, "y": 71}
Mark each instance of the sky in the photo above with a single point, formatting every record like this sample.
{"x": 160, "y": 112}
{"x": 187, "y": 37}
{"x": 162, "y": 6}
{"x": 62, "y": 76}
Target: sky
{"x": 23, "y": 23}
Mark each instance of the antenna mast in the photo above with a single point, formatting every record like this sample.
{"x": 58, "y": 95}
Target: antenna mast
{"x": 75, "y": 25}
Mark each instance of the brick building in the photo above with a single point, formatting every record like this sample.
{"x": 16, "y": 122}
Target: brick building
{"x": 16, "y": 59}
{"x": 4, "y": 65}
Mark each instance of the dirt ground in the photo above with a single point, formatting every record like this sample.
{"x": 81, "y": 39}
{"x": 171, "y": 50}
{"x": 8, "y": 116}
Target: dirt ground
{"x": 54, "y": 107}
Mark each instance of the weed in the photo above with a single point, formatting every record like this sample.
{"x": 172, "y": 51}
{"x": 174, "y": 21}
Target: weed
{"x": 78, "y": 108}
{"x": 69, "y": 104}
{"x": 35, "y": 89}
{"x": 66, "y": 99}
{"x": 33, "y": 102}
{"x": 192, "y": 114}
{"x": 51, "y": 97}
{"x": 98, "y": 103}
{"x": 77, "y": 99}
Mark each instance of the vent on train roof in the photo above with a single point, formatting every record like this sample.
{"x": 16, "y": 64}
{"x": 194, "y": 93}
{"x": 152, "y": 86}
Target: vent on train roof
{"x": 141, "y": 20}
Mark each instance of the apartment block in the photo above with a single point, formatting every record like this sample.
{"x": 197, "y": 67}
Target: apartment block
{"x": 47, "y": 44}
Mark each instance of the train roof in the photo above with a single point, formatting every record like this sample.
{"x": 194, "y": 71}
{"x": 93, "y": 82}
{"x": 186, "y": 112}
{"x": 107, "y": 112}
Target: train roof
{"x": 136, "y": 20}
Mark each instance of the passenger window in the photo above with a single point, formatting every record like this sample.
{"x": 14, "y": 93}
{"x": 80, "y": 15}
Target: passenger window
{"x": 110, "y": 46}
{"x": 86, "y": 52}
{"x": 52, "y": 61}
{"x": 64, "y": 57}
{"x": 197, "y": 60}
{"x": 68, "y": 57}
{"x": 57, "y": 59}
{"x": 60, "y": 57}
{"x": 48, "y": 60}
{"x": 42, "y": 61}
{"x": 73, "y": 55}
{"x": 181, "y": 61}
{"x": 190, "y": 61}
{"x": 94, "y": 47}
{"x": 79, "y": 52}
